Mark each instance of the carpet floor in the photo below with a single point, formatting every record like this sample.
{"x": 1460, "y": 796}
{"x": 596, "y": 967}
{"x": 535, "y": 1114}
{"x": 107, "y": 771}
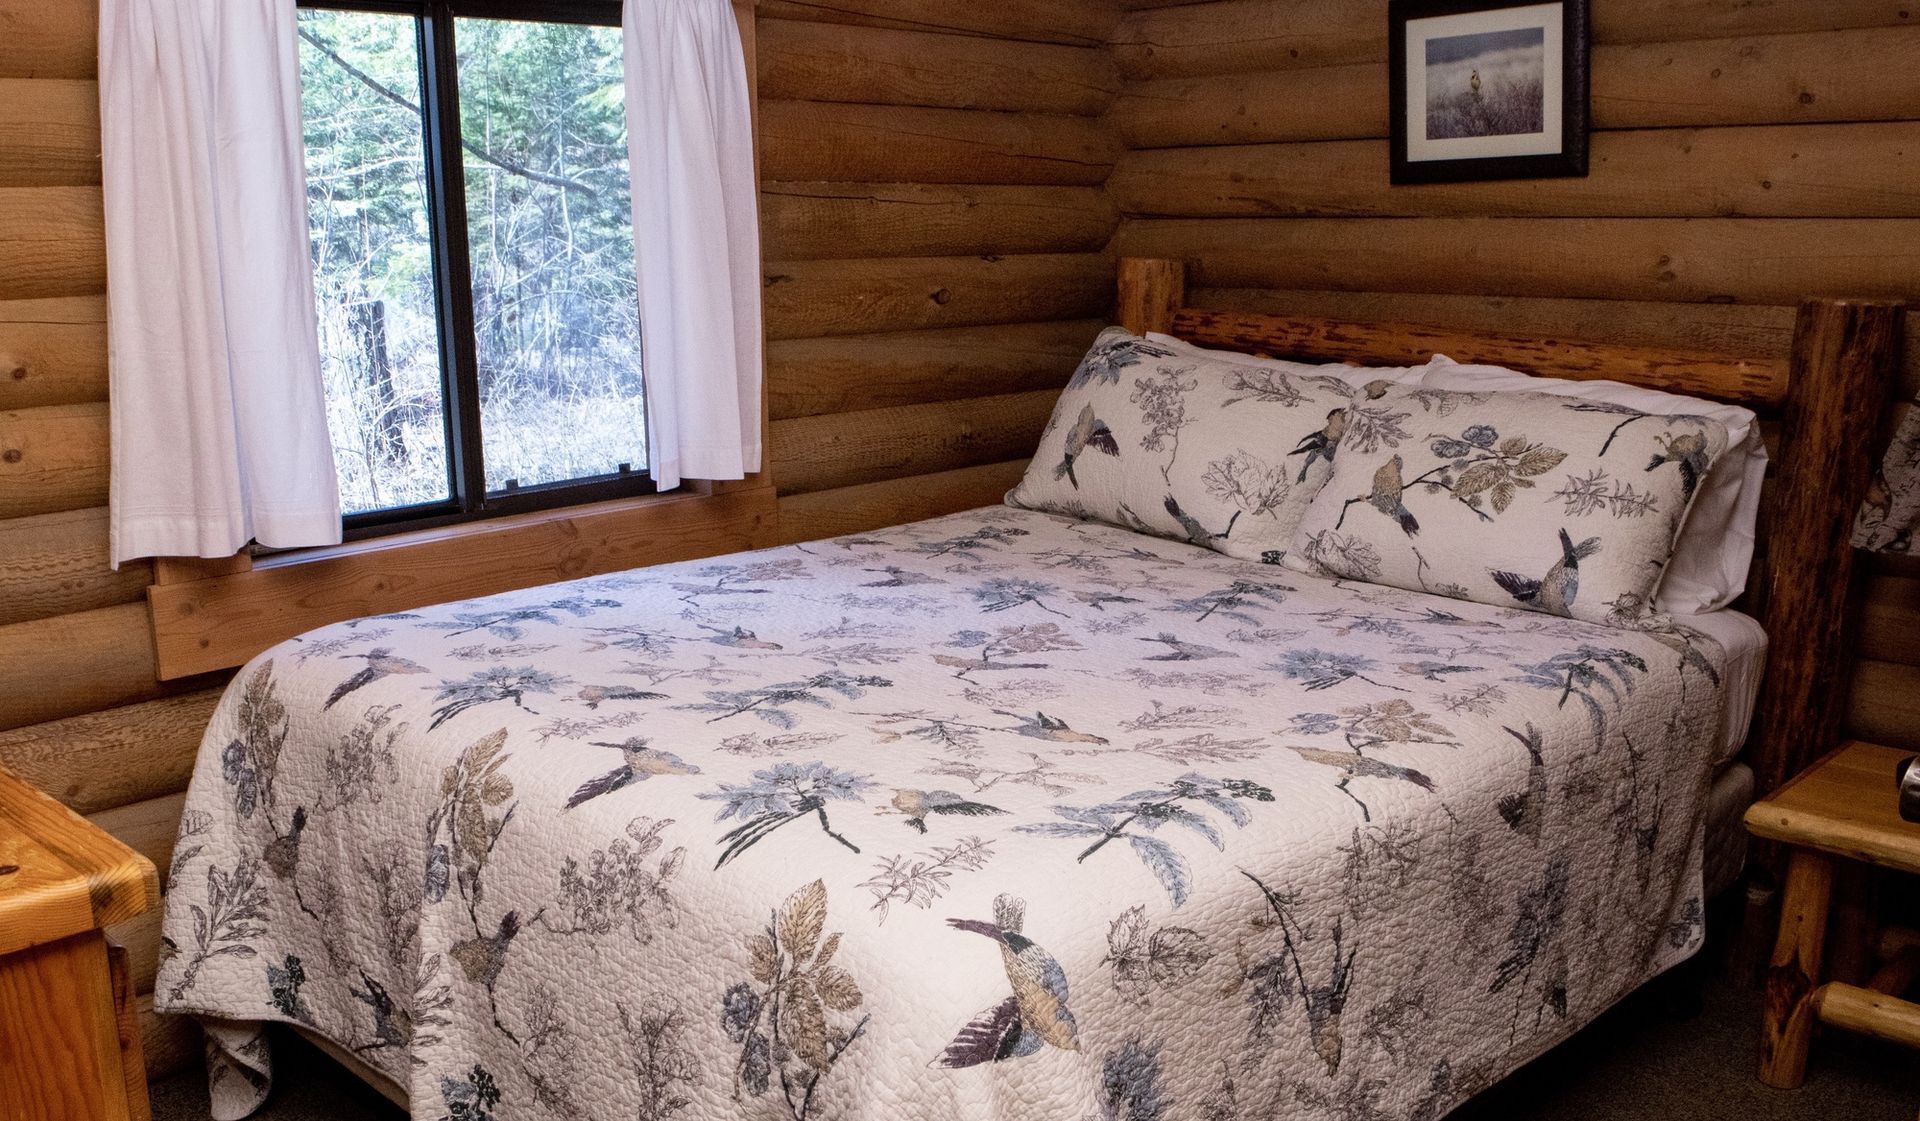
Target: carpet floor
{"x": 1640, "y": 1061}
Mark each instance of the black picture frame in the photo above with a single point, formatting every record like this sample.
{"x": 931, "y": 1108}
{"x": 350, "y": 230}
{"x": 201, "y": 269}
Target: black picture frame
{"x": 1569, "y": 161}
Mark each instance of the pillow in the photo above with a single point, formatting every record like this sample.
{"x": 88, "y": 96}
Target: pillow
{"x": 1357, "y": 376}
{"x": 1163, "y": 438}
{"x": 1528, "y": 500}
{"x": 1710, "y": 562}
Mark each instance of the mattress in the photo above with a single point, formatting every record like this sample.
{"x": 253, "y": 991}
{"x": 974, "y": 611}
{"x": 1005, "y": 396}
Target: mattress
{"x": 995, "y": 816}
{"x": 1744, "y": 644}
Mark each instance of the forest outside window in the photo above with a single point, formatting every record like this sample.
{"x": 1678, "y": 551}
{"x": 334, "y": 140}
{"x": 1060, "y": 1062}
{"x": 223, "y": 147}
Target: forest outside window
{"x": 473, "y": 251}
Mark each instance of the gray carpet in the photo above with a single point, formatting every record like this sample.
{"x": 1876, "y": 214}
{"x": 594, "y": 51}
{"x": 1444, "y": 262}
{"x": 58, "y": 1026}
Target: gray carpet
{"x": 1643, "y": 1060}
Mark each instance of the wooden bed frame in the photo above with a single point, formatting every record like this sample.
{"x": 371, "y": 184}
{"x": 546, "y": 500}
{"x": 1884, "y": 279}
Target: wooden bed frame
{"x": 1828, "y": 398}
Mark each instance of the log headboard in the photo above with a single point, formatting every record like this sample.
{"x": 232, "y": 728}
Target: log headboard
{"x": 1827, "y": 396}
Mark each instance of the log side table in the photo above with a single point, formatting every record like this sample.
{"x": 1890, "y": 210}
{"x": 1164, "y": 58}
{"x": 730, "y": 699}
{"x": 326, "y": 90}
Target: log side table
{"x": 69, "y": 1046}
{"x": 1844, "y": 807}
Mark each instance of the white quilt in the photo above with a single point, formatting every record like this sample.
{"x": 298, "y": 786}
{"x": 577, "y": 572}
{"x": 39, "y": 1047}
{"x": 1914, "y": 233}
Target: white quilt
{"x": 997, "y": 816}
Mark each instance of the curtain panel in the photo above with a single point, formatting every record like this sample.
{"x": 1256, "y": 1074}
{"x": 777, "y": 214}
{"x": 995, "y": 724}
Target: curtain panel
{"x": 696, "y": 237}
{"x": 219, "y": 432}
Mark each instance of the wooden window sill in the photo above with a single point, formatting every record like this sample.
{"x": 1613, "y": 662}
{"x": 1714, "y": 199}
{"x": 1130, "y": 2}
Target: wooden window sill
{"x": 222, "y": 620}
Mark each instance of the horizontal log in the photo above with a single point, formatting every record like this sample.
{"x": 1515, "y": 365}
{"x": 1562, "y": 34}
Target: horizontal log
{"x": 56, "y": 564}
{"x": 1758, "y": 382}
{"x": 832, "y": 62}
{"x": 53, "y": 352}
{"x": 49, "y": 132}
{"x": 1771, "y": 171}
{"x": 1890, "y": 620}
{"x": 52, "y": 242}
{"x": 171, "y": 1043}
{"x": 115, "y": 757}
{"x": 1237, "y": 35}
{"x": 148, "y": 827}
{"x": 54, "y": 668}
{"x": 1242, "y": 35}
{"x": 1884, "y": 705}
{"x": 811, "y": 377}
{"x": 869, "y": 506}
{"x": 814, "y": 140}
{"x": 804, "y": 299}
{"x": 53, "y": 458}
{"x": 48, "y": 39}
{"x": 846, "y": 449}
{"x": 800, "y": 221}
{"x": 1755, "y": 329}
{"x": 1863, "y": 75}
{"x": 219, "y": 623}
{"x": 1040, "y": 21}
{"x": 1744, "y": 260}
{"x": 1870, "y": 74}
{"x": 141, "y": 936}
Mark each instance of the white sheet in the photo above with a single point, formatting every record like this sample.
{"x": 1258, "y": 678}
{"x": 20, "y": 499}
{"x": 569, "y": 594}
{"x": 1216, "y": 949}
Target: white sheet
{"x": 1746, "y": 646}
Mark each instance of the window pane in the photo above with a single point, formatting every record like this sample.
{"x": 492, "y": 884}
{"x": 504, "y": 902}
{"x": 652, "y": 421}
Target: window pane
{"x": 555, "y": 302}
{"x": 373, "y": 257}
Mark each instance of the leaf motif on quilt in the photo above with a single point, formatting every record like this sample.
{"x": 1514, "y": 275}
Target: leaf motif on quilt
{"x": 790, "y": 1020}
{"x": 1139, "y": 816}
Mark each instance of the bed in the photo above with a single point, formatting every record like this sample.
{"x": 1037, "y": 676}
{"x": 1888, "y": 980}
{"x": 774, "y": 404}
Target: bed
{"x": 999, "y": 815}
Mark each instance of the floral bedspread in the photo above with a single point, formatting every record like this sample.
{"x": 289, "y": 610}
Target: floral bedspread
{"x": 996, "y": 816}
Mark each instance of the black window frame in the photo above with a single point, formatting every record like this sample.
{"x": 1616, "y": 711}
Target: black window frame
{"x": 453, "y": 275}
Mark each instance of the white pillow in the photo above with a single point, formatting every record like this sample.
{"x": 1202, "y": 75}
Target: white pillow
{"x": 1715, "y": 548}
{"x": 1357, "y": 376}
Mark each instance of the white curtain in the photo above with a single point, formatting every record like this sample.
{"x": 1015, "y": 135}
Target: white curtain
{"x": 219, "y": 419}
{"x": 696, "y": 237}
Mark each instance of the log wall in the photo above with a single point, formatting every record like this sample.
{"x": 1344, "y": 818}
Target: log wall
{"x": 1745, "y": 155}
{"x": 934, "y": 220}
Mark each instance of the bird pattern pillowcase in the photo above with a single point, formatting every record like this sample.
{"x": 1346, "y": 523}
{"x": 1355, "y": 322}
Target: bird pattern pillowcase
{"x": 1548, "y": 503}
{"x": 1162, "y": 440}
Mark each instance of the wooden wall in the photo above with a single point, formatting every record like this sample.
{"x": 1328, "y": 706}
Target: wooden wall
{"x": 82, "y": 713}
{"x": 934, "y": 222}
{"x": 1745, "y": 155}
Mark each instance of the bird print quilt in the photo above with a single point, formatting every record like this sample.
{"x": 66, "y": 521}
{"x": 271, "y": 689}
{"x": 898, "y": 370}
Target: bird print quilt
{"x": 996, "y": 817}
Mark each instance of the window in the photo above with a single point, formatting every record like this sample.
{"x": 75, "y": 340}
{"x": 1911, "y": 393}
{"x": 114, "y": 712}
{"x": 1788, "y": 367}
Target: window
{"x": 473, "y": 255}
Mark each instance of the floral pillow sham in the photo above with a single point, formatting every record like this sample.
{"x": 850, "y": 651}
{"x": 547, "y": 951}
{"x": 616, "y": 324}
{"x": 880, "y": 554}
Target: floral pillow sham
{"x": 1176, "y": 442}
{"x": 1518, "y": 499}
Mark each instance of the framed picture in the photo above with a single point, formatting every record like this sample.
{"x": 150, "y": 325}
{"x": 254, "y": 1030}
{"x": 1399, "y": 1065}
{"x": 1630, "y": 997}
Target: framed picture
{"x": 1487, "y": 89}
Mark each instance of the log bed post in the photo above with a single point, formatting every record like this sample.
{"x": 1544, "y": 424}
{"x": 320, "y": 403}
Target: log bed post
{"x": 1844, "y": 354}
{"x": 1151, "y": 290}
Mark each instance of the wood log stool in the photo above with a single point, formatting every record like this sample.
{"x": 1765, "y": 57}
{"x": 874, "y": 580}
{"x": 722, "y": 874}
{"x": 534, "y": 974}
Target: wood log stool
{"x": 1843, "y": 807}
{"x": 69, "y": 1046}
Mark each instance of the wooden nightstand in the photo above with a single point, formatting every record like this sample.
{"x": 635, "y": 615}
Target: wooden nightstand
{"x": 69, "y": 1047}
{"x": 1843, "y": 806}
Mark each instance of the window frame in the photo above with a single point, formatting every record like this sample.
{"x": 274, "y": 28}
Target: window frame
{"x": 446, "y": 203}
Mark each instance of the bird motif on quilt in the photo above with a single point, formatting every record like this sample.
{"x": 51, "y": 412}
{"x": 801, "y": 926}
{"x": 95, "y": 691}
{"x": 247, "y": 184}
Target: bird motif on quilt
{"x": 1088, "y": 431}
{"x": 1035, "y": 1015}
{"x": 918, "y": 805}
{"x": 638, "y": 763}
{"x": 1553, "y": 593}
{"x": 1387, "y": 496}
{"x": 1689, "y": 450}
{"x": 381, "y": 662}
{"x": 1321, "y": 444}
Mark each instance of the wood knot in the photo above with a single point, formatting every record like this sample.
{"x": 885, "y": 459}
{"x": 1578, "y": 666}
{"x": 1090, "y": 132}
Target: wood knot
{"x": 940, "y": 296}
{"x": 11, "y": 455}
{"x": 1806, "y": 97}
{"x": 8, "y": 869}
{"x": 18, "y": 373}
